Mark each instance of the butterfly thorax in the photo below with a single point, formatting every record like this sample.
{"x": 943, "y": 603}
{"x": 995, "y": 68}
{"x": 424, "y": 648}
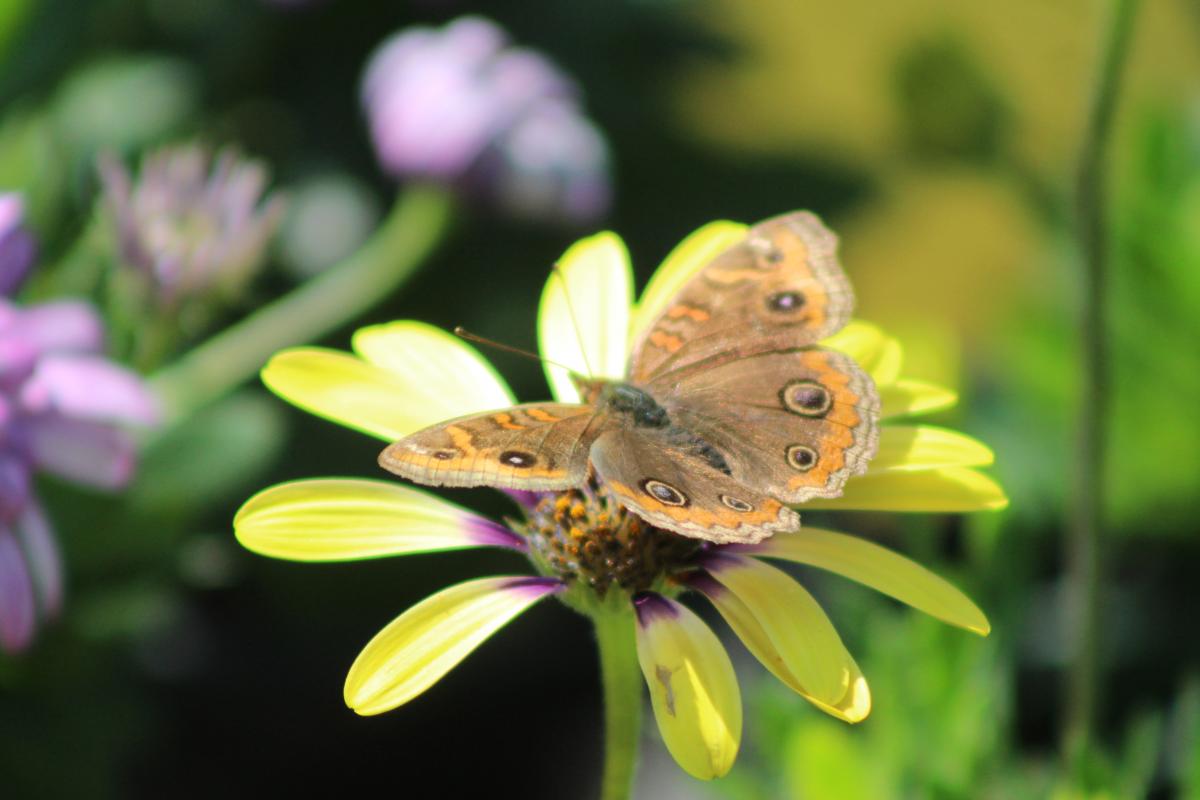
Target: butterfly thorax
{"x": 627, "y": 400}
{"x": 639, "y": 407}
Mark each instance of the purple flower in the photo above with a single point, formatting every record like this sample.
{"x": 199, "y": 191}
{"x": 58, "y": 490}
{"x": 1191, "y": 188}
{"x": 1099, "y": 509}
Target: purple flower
{"x": 63, "y": 410}
{"x": 553, "y": 161}
{"x": 192, "y": 223}
{"x": 460, "y": 106}
{"x": 18, "y": 248}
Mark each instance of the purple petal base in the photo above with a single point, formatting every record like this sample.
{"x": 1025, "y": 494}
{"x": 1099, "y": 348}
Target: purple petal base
{"x": 525, "y": 499}
{"x": 535, "y": 586}
{"x": 706, "y": 584}
{"x": 652, "y": 607}
{"x": 738, "y": 548}
{"x": 718, "y": 560}
{"x": 486, "y": 533}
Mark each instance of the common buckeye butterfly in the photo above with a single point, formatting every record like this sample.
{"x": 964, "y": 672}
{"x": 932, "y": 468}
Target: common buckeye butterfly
{"x": 730, "y": 413}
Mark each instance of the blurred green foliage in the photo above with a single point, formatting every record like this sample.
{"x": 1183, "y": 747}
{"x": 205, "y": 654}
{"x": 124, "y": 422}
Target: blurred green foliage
{"x": 948, "y": 105}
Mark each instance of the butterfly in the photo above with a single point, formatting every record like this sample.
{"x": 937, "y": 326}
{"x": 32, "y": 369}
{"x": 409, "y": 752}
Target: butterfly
{"x": 730, "y": 413}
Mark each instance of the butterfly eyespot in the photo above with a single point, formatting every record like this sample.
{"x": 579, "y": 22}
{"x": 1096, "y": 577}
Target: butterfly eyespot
{"x": 736, "y": 504}
{"x": 806, "y": 398}
{"x": 785, "y": 302}
{"x": 664, "y": 493}
{"x": 518, "y": 459}
{"x": 444, "y": 455}
{"x": 801, "y": 457}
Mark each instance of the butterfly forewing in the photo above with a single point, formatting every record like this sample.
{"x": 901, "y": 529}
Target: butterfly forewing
{"x": 780, "y": 287}
{"x": 538, "y": 446}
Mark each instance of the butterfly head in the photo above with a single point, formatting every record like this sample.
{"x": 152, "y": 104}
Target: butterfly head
{"x": 589, "y": 388}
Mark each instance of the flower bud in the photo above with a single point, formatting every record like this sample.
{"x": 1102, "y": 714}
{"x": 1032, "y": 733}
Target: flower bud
{"x": 459, "y": 105}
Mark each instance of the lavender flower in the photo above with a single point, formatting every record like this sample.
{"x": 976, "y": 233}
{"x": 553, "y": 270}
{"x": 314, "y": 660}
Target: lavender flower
{"x": 193, "y": 224}
{"x": 460, "y": 106}
{"x": 62, "y": 411}
{"x": 18, "y": 248}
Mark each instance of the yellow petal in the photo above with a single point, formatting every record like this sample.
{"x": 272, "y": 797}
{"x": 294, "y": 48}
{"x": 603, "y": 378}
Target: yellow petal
{"x": 693, "y": 689}
{"x": 445, "y": 377}
{"x": 583, "y": 318}
{"x": 882, "y": 569}
{"x": 884, "y": 368}
{"x": 431, "y": 638}
{"x": 906, "y": 397}
{"x": 872, "y": 349}
{"x": 860, "y": 340}
{"x": 347, "y": 390}
{"x": 919, "y": 447}
{"x": 951, "y": 490}
{"x": 798, "y": 629}
{"x": 689, "y": 257}
{"x": 331, "y": 519}
{"x": 854, "y": 706}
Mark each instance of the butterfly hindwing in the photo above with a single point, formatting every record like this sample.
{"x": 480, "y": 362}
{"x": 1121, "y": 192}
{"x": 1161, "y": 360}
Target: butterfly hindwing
{"x": 782, "y": 286}
{"x": 795, "y": 424}
{"x": 537, "y": 446}
{"x": 662, "y": 478}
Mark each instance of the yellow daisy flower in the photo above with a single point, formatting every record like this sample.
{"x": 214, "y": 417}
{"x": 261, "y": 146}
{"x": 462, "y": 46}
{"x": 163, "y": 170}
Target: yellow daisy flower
{"x": 587, "y": 549}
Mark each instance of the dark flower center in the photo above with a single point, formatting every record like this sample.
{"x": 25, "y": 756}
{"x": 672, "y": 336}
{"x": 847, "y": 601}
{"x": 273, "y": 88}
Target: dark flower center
{"x": 586, "y": 535}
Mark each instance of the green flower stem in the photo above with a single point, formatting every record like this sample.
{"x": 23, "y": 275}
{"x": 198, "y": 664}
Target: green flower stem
{"x": 622, "y": 679}
{"x": 1084, "y": 540}
{"x": 416, "y": 224}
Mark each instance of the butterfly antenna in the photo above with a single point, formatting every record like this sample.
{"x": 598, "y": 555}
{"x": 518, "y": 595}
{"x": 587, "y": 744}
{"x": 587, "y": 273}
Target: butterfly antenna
{"x": 574, "y": 321}
{"x": 463, "y": 333}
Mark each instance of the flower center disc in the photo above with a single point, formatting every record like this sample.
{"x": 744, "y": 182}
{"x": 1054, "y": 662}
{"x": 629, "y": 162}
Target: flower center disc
{"x": 587, "y": 535}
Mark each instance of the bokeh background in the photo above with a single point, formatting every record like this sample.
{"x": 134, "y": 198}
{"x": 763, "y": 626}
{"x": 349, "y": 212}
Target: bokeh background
{"x": 939, "y": 140}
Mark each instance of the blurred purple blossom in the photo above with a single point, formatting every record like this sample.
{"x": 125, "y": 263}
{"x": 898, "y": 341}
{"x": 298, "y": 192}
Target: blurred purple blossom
{"x": 192, "y": 223}
{"x": 460, "y": 106}
{"x": 18, "y": 248}
{"x": 64, "y": 409}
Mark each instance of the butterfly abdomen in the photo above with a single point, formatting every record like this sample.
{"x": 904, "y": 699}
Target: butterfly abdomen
{"x": 691, "y": 443}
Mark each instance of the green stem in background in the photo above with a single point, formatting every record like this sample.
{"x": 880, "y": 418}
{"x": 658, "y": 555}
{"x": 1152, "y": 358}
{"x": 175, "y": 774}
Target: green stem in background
{"x": 416, "y": 224}
{"x": 622, "y": 680}
{"x": 1083, "y": 551}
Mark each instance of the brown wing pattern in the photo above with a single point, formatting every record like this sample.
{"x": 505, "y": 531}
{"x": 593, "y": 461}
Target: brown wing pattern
{"x": 795, "y": 424}
{"x": 677, "y": 490}
{"x": 537, "y": 446}
{"x": 781, "y": 287}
